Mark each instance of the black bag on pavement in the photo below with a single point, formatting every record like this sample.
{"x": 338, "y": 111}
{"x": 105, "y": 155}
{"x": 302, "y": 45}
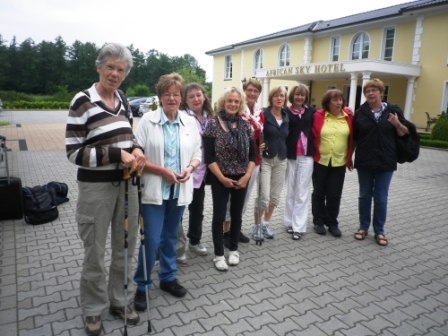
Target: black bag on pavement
{"x": 11, "y": 204}
{"x": 60, "y": 190}
{"x": 40, "y": 205}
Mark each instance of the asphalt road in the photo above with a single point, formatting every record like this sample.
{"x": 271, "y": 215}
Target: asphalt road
{"x": 35, "y": 117}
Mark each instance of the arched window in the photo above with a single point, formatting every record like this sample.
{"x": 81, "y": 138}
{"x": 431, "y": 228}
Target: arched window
{"x": 258, "y": 60}
{"x": 360, "y": 46}
{"x": 284, "y": 56}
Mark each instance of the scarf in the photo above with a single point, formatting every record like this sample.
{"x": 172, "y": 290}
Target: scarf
{"x": 236, "y": 138}
{"x": 297, "y": 112}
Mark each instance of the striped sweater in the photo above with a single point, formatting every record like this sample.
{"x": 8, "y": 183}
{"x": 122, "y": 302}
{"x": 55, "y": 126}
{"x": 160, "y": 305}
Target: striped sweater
{"x": 95, "y": 135}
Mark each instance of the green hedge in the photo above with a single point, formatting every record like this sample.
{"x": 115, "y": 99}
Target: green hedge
{"x": 440, "y": 129}
{"x": 433, "y": 143}
{"x": 35, "y": 105}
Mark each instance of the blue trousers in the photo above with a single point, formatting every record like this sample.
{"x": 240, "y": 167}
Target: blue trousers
{"x": 161, "y": 223}
{"x": 373, "y": 184}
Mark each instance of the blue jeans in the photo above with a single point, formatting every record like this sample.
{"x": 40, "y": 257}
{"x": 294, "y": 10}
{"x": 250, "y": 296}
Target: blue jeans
{"x": 373, "y": 184}
{"x": 161, "y": 223}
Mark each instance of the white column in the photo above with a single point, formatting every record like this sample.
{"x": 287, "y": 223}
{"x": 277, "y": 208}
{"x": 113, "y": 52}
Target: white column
{"x": 242, "y": 67}
{"x": 265, "y": 92}
{"x": 307, "y": 50}
{"x": 353, "y": 88}
{"x": 365, "y": 78}
{"x": 409, "y": 95}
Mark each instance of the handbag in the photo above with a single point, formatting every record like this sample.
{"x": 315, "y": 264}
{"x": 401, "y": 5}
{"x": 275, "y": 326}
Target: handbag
{"x": 408, "y": 146}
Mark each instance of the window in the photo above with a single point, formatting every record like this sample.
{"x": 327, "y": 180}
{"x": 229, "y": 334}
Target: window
{"x": 388, "y": 43}
{"x": 284, "y": 56}
{"x": 228, "y": 68}
{"x": 258, "y": 61}
{"x": 335, "y": 45}
{"x": 360, "y": 46}
{"x": 385, "y": 93}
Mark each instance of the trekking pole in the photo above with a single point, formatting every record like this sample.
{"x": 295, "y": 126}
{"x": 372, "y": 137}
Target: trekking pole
{"x": 142, "y": 241}
{"x": 259, "y": 230}
{"x": 126, "y": 177}
{"x": 259, "y": 235}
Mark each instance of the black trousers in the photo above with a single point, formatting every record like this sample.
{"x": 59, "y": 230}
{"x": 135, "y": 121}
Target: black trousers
{"x": 196, "y": 210}
{"x": 220, "y": 196}
{"x": 328, "y": 183}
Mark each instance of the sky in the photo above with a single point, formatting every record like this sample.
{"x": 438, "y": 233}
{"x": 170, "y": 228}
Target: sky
{"x": 173, "y": 27}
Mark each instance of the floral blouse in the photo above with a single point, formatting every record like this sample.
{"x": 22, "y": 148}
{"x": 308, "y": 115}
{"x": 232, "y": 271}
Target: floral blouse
{"x": 217, "y": 148}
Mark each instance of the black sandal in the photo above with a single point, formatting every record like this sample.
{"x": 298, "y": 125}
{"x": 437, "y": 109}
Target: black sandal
{"x": 296, "y": 236}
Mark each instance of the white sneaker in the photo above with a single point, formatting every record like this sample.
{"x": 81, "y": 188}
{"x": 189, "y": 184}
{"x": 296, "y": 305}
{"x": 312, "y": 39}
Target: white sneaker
{"x": 199, "y": 249}
{"x": 257, "y": 233}
{"x": 267, "y": 231}
{"x": 220, "y": 263}
{"x": 234, "y": 258}
{"x": 182, "y": 259}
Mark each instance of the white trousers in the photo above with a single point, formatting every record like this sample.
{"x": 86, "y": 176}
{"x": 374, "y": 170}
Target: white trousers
{"x": 298, "y": 183}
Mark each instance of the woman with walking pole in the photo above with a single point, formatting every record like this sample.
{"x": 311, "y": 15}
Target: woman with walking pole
{"x": 99, "y": 140}
{"x": 173, "y": 151}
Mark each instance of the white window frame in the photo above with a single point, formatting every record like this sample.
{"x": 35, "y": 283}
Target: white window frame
{"x": 258, "y": 60}
{"x": 335, "y": 48}
{"x": 388, "y": 44}
{"x": 228, "y": 67}
{"x": 284, "y": 55}
{"x": 360, "y": 46}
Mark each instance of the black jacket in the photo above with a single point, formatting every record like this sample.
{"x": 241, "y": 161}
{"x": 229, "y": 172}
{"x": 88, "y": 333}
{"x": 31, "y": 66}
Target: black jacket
{"x": 296, "y": 126}
{"x": 275, "y": 135}
{"x": 376, "y": 141}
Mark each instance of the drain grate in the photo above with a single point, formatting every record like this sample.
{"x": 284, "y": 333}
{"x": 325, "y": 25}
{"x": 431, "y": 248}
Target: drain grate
{"x": 22, "y": 145}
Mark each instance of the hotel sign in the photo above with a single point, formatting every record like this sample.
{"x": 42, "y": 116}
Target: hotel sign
{"x": 307, "y": 70}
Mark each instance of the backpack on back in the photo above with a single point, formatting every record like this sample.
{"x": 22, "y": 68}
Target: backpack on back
{"x": 39, "y": 205}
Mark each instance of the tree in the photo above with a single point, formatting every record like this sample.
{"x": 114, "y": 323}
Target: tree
{"x": 81, "y": 65}
{"x": 55, "y": 68}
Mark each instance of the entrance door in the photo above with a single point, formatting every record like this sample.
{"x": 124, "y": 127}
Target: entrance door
{"x": 358, "y": 95}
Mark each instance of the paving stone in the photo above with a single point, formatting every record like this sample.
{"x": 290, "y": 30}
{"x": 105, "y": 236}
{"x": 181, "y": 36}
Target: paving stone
{"x": 319, "y": 286}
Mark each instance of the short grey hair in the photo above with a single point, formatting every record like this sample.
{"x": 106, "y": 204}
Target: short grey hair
{"x": 115, "y": 51}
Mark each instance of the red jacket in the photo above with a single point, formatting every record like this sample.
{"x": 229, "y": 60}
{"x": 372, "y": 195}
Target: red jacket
{"x": 319, "y": 117}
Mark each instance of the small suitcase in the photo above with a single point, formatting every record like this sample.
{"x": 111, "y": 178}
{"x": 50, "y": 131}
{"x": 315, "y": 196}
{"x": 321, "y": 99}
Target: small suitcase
{"x": 11, "y": 199}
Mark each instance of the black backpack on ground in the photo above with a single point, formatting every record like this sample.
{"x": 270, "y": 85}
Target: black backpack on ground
{"x": 39, "y": 205}
{"x": 60, "y": 190}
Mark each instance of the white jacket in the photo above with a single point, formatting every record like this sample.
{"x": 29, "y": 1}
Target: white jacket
{"x": 149, "y": 135}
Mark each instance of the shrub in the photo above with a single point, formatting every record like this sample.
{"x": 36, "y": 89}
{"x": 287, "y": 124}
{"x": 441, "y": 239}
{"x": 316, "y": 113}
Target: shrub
{"x": 139, "y": 90}
{"x": 433, "y": 143}
{"x": 440, "y": 129}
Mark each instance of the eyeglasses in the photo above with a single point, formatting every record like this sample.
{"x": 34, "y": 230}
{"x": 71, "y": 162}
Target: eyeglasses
{"x": 171, "y": 95}
{"x": 371, "y": 90}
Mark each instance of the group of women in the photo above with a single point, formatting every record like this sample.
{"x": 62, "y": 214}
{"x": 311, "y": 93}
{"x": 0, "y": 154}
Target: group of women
{"x": 184, "y": 144}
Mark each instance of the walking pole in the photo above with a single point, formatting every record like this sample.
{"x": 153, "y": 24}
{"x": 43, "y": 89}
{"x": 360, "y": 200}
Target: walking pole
{"x": 142, "y": 241}
{"x": 259, "y": 236}
{"x": 126, "y": 177}
{"x": 259, "y": 233}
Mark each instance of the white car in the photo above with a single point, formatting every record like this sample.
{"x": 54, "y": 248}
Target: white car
{"x": 151, "y": 104}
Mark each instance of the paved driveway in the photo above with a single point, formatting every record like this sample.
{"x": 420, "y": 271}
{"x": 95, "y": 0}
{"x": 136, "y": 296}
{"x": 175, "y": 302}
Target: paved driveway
{"x": 316, "y": 286}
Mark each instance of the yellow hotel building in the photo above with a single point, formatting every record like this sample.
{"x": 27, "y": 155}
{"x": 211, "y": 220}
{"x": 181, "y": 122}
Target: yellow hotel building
{"x": 405, "y": 45}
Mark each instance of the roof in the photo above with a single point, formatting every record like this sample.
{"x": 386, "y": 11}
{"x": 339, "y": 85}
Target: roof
{"x": 319, "y": 26}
